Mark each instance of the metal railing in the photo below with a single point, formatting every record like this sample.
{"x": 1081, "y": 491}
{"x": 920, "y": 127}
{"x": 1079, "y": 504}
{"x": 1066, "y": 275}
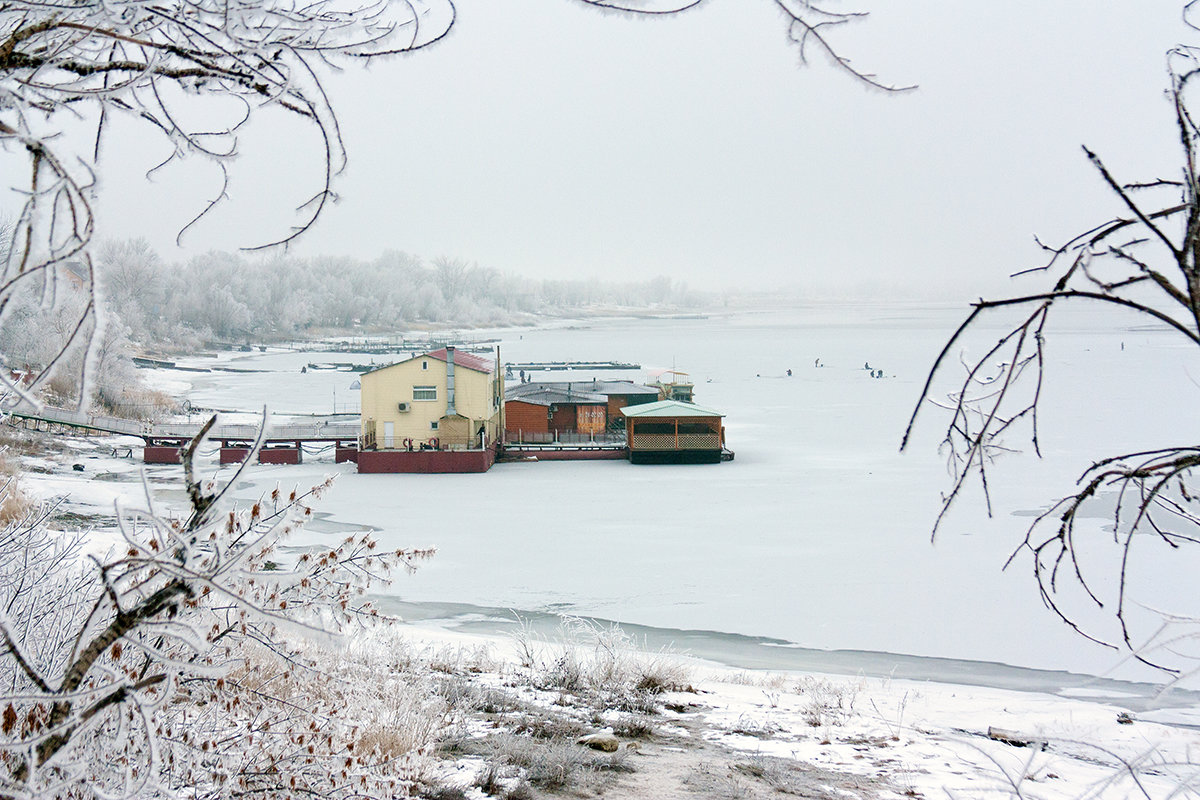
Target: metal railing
{"x": 527, "y": 437}
{"x": 99, "y": 422}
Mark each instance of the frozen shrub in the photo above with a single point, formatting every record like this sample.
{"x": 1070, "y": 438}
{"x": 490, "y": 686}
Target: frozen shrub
{"x": 601, "y": 663}
{"x": 635, "y": 727}
{"x": 828, "y": 702}
{"x": 178, "y": 660}
{"x": 555, "y": 763}
{"x": 15, "y": 505}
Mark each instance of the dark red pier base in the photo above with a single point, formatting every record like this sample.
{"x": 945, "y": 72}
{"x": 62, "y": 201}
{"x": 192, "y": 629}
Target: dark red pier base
{"x": 279, "y": 455}
{"x": 234, "y": 455}
{"x": 567, "y": 455}
{"x": 426, "y": 461}
{"x": 345, "y": 454}
{"x": 157, "y": 454}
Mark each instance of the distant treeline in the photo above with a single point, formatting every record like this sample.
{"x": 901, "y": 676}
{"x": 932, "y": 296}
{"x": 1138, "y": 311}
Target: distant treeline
{"x": 229, "y": 296}
{"x": 148, "y": 303}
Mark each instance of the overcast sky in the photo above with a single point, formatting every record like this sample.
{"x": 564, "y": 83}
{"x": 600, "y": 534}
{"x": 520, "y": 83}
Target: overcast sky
{"x": 549, "y": 139}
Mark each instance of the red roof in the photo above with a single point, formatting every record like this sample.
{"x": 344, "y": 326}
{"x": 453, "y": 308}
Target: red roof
{"x": 467, "y": 360}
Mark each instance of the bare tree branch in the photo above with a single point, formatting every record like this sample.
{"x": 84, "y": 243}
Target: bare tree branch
{"x": 1152, "y": 492}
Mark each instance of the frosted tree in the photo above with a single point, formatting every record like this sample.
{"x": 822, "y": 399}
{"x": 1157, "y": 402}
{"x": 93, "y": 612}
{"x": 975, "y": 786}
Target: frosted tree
{"x": 175, "y": 662}
{"x": 132, "y": 283}
{"x": 81, "y": 63}
{"x": 66, "y": 63}
{"x": 1145, "y": 262}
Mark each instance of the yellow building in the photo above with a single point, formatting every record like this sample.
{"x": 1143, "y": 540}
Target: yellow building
{"x": 443, "y": 400}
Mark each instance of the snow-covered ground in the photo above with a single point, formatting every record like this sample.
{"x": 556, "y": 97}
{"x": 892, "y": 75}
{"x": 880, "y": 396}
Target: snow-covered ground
{"x": 811, "y": 734}
{"x": 816, "y": 536}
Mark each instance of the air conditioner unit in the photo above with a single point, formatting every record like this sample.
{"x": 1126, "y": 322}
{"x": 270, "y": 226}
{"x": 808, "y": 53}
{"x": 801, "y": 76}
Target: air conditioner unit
{"x": 404, "y": 406}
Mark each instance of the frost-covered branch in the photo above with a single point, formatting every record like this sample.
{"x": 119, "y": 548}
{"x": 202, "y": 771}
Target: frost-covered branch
{"x": 173, "y": 661}
{"x": 1146, "y": 263}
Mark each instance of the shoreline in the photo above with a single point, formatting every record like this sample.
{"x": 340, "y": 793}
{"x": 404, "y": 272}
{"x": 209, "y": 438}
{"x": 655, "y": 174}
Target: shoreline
{"x": 759, "y": 654}
{"x": 731, "y": 650}
{"x": 871, "y": 730}
{"x": 725, "y": 732}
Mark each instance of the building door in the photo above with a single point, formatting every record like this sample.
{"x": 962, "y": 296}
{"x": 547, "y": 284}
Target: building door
{"x": 389, "y": 435}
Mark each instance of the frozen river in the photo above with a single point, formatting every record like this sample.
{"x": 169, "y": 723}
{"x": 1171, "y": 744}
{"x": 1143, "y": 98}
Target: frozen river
{"x": 816, "y": 536}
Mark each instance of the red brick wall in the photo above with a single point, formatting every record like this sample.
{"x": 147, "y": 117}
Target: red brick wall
{"x": 522, "y": 416}
{"x": 563, "y": 420}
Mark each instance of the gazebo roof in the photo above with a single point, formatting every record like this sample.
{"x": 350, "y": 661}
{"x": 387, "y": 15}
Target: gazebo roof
{"x": 669, "y": 408}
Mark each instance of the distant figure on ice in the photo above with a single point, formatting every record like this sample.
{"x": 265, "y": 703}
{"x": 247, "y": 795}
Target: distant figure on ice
{"x": 522, "y": 376}
{"x": 867, "y": 366}
{"x": 817, "y": 363}
{"x": 789, "y": 373}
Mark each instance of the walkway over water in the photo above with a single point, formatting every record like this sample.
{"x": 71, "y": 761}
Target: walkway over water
{"x": 178, "y": 432}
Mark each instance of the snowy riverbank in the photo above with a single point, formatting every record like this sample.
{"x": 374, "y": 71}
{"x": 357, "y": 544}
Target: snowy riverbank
{"x": 753, "y": 733}
{"x": 748, "y": 732}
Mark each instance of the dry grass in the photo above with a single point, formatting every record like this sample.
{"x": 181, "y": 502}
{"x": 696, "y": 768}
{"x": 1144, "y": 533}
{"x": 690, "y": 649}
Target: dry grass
{"x": 15, "y": 442}
{"x": 634, "y": 727}
{"x": 15, "y": 505}
{"x": 463, "y": 697}
{"x": 442, "y": 793}
{"x": 554, "y": 763}
{"x": 546, "y": 726}
{"x": 140, "y": 404}
{"x": 62, "y": 387}
{"x": 766, "y": 680}
{"x": 602, "y": 666}
{"x": 393, "y": 716}
{"x": 829, "y": 703}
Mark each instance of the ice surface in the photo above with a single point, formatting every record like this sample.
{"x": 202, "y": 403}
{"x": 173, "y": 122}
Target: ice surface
{"x": 819, "y": 532}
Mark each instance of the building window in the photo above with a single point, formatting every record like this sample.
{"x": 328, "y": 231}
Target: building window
{"x": 433, "y": 425}
{"x": 424, "y": 365}
{"x": 424, "y": 393}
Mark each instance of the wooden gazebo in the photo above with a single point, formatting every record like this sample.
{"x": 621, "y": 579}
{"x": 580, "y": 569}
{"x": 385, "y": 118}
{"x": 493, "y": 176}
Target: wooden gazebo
{"x": 673, "y": 432}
